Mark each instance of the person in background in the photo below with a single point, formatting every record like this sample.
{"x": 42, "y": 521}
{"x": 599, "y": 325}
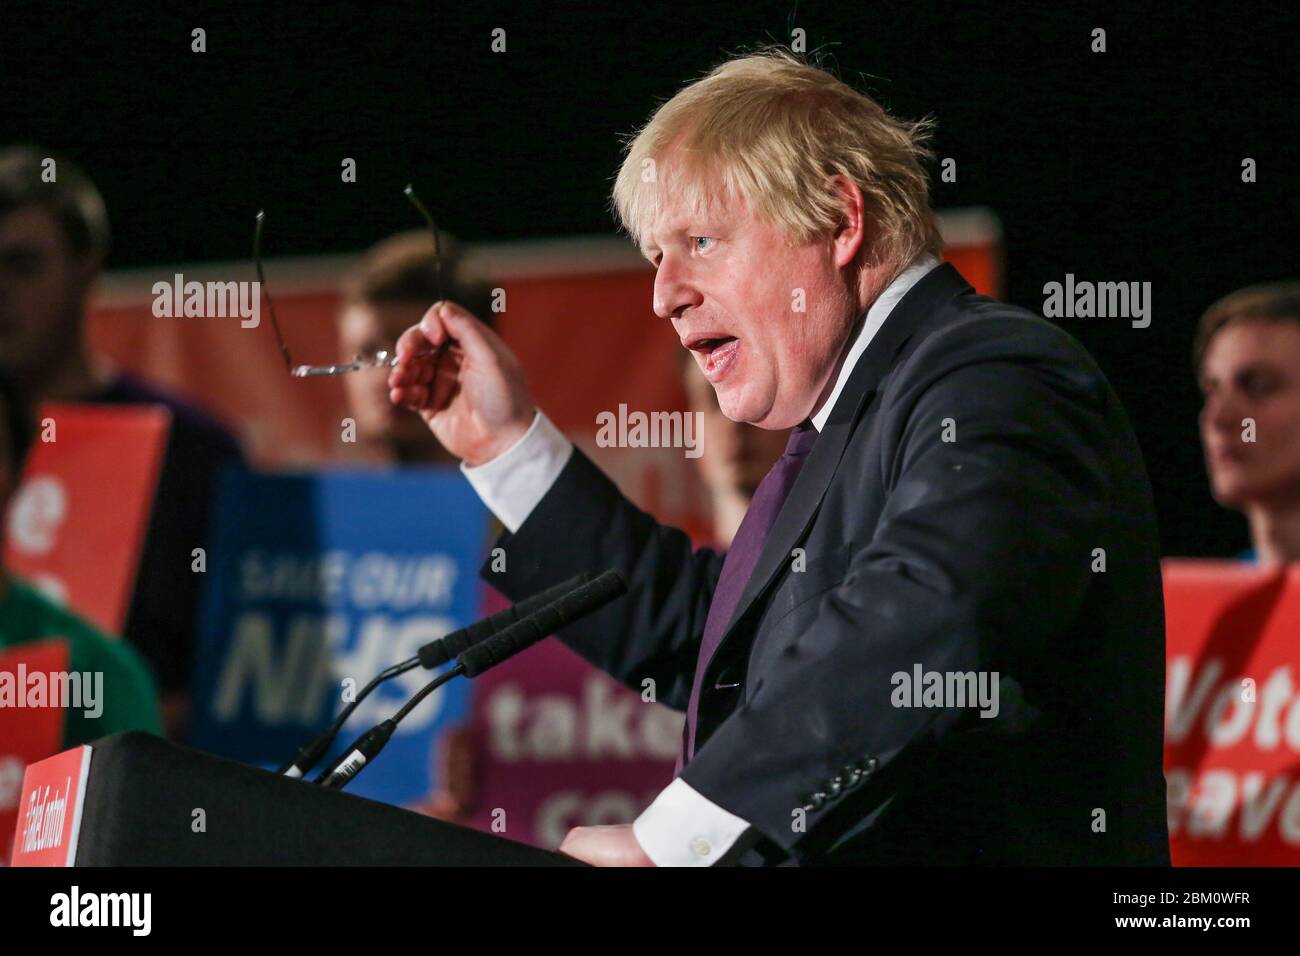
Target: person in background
{"x": 735, "y": 457}
{"x": 390, "y": 288}
{"x": 392, "y": 285}
{"x": 128, "y": 698}
{"x": 54, "y": 239}
{"x": 1247, "y": 354}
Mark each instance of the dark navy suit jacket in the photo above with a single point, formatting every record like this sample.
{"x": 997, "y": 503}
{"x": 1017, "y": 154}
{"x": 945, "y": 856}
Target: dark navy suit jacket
{"x": 976, "y": 503}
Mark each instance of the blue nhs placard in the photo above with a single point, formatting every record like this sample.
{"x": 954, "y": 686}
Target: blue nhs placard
{"x": 316, "y": 583}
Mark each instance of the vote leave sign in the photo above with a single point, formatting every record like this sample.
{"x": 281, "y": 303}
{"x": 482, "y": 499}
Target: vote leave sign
{"x": 1232, "y": 714}
{"x": 76, "y": 524}
{"x": 316, "y": 583}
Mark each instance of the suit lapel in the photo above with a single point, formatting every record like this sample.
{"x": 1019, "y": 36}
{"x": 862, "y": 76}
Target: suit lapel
{"x": 796, "y": 515}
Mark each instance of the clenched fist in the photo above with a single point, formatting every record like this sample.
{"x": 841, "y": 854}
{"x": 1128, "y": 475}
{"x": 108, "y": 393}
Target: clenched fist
{"x": 465, "y": 383}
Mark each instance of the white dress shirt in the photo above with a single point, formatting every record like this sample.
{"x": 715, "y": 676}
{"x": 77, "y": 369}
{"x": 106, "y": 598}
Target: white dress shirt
{"x": 681, "y": 827}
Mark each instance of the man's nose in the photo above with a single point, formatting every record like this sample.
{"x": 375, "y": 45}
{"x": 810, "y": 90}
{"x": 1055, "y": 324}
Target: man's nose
{"x": 674, "y": 292}
{"x": 1223, "y": 413}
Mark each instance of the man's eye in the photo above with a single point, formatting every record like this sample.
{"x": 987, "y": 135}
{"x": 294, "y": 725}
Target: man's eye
{"x": 699, "y": 239}
{"x": 1258, "y": 387}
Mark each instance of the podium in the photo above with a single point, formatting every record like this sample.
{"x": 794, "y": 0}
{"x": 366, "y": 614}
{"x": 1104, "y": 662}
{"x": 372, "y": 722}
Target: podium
{"x": 134, "y": 799}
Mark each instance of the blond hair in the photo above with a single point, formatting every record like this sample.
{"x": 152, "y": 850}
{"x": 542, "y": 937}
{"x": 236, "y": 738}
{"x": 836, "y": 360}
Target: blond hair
{"x": 771, "y": 129}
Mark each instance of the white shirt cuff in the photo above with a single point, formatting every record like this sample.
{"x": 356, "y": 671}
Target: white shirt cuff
{"x": 512, "y": 483}
{"x": 683, "y": 828}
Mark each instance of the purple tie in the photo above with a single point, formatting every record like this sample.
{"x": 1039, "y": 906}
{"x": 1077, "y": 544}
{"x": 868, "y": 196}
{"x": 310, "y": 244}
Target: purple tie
{"x": 740, "y": 560}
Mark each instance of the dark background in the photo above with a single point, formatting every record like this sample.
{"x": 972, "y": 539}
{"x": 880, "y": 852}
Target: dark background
{"x": 1122, "y": 166}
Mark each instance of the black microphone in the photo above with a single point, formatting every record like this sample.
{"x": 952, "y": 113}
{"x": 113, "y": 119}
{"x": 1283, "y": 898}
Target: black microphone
{"x": 474, "y": 661}
{"x": 431, "y": 655}
{"x": 550, "y": 619}
{"x": 447, "y": 647}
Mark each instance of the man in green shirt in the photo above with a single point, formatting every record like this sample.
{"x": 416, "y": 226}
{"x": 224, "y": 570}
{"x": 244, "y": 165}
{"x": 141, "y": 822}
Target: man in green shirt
{"x": 128, "y": 699}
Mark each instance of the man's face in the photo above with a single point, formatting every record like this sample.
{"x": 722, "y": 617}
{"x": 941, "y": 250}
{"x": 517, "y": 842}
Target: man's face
{"x": 365, "y": 327}
{"x": 43, "y": 289}
{"x": 1252, "y": 370}
{"x": 731, "y": 283}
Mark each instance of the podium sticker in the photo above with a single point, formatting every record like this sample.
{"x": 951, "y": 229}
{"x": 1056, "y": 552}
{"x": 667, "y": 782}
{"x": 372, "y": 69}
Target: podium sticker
{"x": 49, "y": 811}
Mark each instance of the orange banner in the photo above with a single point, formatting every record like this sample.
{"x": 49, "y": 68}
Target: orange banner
{"x": 577, "y": 311}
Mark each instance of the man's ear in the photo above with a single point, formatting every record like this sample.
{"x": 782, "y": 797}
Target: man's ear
{"x": 851, "y": 233}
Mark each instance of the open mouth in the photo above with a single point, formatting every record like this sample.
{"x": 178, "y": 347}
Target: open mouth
{"x": 718, "y": 354}
{"x": 706, "y": 346}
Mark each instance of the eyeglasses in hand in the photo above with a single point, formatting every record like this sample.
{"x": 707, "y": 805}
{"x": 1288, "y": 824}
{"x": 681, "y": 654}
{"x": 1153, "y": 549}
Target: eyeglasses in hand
{"x": 383, "y": 358}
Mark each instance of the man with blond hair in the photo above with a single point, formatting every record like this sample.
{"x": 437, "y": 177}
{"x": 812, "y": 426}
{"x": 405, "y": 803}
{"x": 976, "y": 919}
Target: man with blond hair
{"x": 938, "y": 634}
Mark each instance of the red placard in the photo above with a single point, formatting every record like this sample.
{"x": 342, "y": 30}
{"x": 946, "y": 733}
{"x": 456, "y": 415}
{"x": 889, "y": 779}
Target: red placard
{"x": 49, "y": 813}
{"x": 27, "y": 734}
{"x": 76, "y": 523}
{"x": 1232, "y": 714}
